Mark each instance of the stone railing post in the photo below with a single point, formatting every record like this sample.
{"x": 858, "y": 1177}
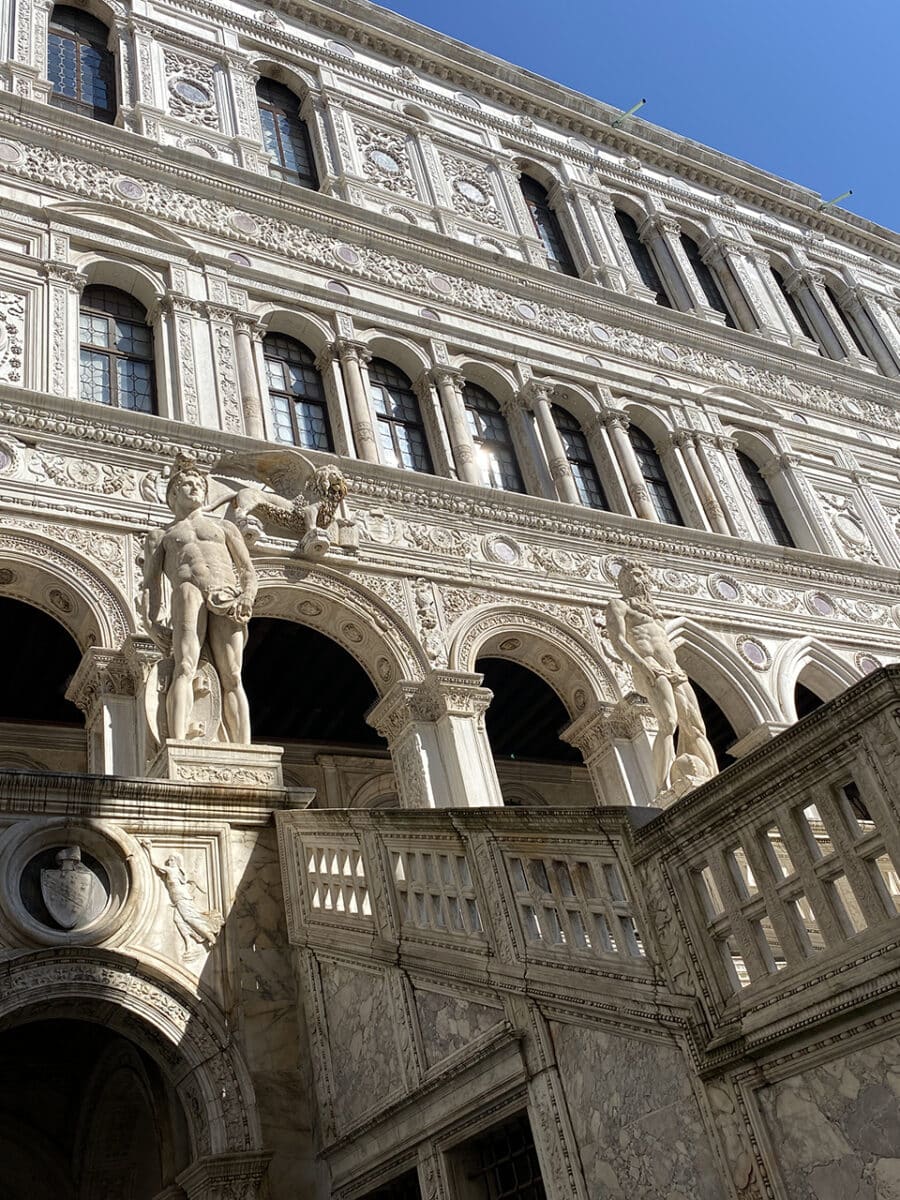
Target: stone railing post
{"x": 614, "y": 740}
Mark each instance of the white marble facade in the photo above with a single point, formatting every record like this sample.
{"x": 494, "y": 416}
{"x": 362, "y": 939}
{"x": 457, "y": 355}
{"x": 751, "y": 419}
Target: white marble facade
{"x": 325, "y": 1068}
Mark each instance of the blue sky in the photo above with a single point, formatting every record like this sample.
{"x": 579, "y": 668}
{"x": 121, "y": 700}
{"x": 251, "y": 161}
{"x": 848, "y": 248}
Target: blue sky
{"x": 807, "y": 89}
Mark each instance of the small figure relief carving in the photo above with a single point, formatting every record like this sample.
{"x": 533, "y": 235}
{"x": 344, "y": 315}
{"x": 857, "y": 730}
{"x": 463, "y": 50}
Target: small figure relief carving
{"x": 198, "y": 928}
{"x": 303, "y": 500}
{"x": 211, "y": 585}
{"x": 634, "y": 626}
{"x": 73, "y": 894}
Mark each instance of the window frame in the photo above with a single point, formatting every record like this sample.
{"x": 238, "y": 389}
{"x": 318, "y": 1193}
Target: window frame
{"x": 660, "y": 490}
{"x": 765, "y": 502}
{"x": 82, "y": 42}
{"x": 111, "y": 353}
{"x": 547, "y": 226}
{"x": 294, "y": 400}
{"x": 297, "y": 131}
{"x": 584, "y": 459}
{"x": 642, "y": 258}
{"x": 706, "y": 278}
{"x": 388, "y": 425}
{"x": 479, "y": 404}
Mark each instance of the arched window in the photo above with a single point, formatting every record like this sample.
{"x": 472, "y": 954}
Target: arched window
{"x": 766, "y": 506}
{"x": 642, "y": 258}
{"x": 846, "y": 322}
{"x": 796, "y": 308}
{"x": 494, "y": 451}
{"x": 285, "y": 135}
{"x": 547, "y": 226}
{"x": 708, "y": 283}
{"x": 296, "y": 393}
{"x": 661, "y": 495}
{"x": 578, "y": 452}
{"x": 81, "y": 69}
{"x": 400, "y": 428}
{"x": 116, "y": 361}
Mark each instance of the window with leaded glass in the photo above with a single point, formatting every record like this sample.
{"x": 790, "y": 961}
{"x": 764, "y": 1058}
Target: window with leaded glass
{"x": 642, "y": 258}
{"x": 709, "y": 285}
{"x": 547, "y": 226}
{"x": 79, "y": 66}
{"x": 796, "y": 309}
{"x": 116, "y": 354}
{"x": 299, "y": 408}
{"x": 578, "y": 452}
{"x": 285, "y": 135}
{"x": 766, "y": 505}
{"x": 661, "y": 495}
{"x": 494, "y": 450}
{"x": 501, "y": 1164}
{"x": 400, "y": 429}
{"x": 846, "y": 322}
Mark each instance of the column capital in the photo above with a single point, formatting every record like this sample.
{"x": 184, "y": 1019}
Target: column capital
{"x": 101, "y": 672}
{"x": 659, "y": 224}
{"x": 249, "y": 324}
{"x": 345, "y": 348}
{"x": 439, "y": 694}
{"x": 220, "y": 1176}
{"x": 534, "y": 391}
{"x": 594, "y": 730}
{"x": 442, "y": 373}
{"x": 778, "y": 463}
{"x": 61, "y": 272}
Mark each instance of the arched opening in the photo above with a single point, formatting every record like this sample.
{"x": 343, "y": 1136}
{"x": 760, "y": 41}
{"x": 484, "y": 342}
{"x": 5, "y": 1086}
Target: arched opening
{"x": 580, "y": 459}
{"x": 523, "y": 723}
{"x": 719, "y": 730}
{"x": 797, "y": 311}
{"x": 80, "y": 67}
{"x": 846, "y": 321}
{"x": 296, "y": 394}
{"x": 35, "y": 716}
{"x": 86, "y": 1115}
{"x": 655, "y": 478}
{"x": 309, "y": 695}
{"x": 767, "y": 508}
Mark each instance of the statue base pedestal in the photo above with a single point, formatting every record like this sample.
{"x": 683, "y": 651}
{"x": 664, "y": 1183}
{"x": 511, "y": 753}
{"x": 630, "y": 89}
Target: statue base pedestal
{"x": 218, "y": 764}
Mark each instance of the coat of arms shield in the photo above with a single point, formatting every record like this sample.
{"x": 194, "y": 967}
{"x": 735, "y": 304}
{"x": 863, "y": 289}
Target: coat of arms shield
{"x": 72, "y": 892}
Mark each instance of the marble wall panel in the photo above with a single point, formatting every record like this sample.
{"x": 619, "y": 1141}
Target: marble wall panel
{"x": 449, "y": 1023}
{"x": 635, "y": 1117}
{"x": 364, "y": 1053}
{"x": 835, "y": 1128}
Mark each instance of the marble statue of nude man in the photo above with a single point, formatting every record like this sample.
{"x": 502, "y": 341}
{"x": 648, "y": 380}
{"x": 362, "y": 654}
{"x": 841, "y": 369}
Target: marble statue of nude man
{"x": 213, "y": 587}
{"x": 635, "y": 628}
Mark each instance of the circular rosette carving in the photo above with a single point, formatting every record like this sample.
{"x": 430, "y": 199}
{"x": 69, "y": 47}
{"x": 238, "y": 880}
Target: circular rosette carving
{"x": 70, "y": 883}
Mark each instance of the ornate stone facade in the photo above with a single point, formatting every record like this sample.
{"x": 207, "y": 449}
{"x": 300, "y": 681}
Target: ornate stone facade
{"x": 357, "y": 1001}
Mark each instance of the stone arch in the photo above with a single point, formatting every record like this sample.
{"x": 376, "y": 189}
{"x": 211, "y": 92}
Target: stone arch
{"x": 577, "y": 401}
{"x": 133, "y": 278}
{"x": 494, "y": 379}
{"x": 567, "y": 662}
{"x": 649, "y": 421}
{"x": 362, "y": 623}
{"x": 403, "y": 353}
{"x": 633, "y": 206}
{"x": 826, "y": 670}
{"x": 187, "y": 1036}
{"x": 311, "y": 330}
{"x": 68, "y": 587}
{"x": 539, "y": 170}
{"x": 300, "y": 79}
{"x": 732, "y": 683}
{"x": 378, "y": 792}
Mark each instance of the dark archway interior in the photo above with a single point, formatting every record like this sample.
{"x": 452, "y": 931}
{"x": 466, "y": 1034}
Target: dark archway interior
{"x": 719, "y": 729}
{"x": 40, "y": 658}
{"x": 84, "y": 1115}
{"x": 805, "y": 701}
{"x": 303, "y": 687}
{"x": 525, "y": 715}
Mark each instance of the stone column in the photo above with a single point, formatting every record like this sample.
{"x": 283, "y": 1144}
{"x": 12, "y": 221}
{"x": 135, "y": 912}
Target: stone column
{"x": 433, "y": 422}
{"x": 614, "y": 739}
{"x": 796, "y": 335}
{"x": 719, "y": 455}
{"x": 686, "y": 441}
{"x": 617, "y": 424}
{"x": 537, "y": 396}
{"x": 808, "y": 289}
{"x": 104, "y": 688}
{"x": 728, "y": 262}
{"x": 247, "y": 330}
{"x": 577, "y": 201}
{"x": 607, "y": 463}
{"x": 663, "y": 234}
{"x": 462, "y": 447}
{"x": 874, "y": 329}
{"x": 353, "y": 356}
{"x": 624, "y": 275}
{"x": 64, "y": 288}
{"x": 438, "y": 742}
{"x": 782, "y": 475}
